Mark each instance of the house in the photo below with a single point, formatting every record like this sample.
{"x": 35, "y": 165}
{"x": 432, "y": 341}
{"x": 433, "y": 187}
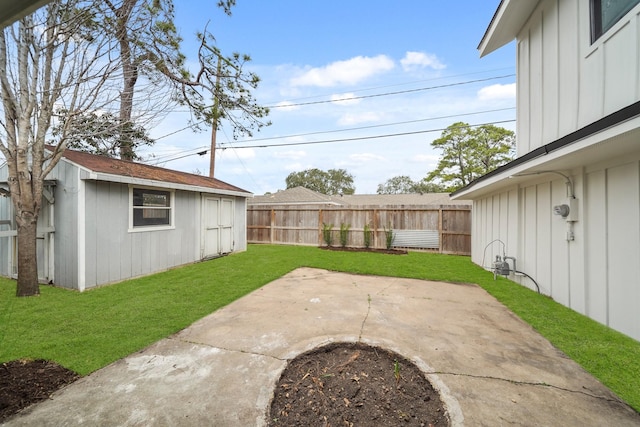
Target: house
{"x": 105, "y": 220}
{"x": 293, "y": 196}
{"x": 11, "y": 10}
{"x": 304, "y": 196}
{"x": 567, "y": 209}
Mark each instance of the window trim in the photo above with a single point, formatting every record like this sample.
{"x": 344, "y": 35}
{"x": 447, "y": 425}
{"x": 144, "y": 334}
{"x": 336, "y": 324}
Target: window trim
{"x": 141, "y": 228}
{"x": 595, "y": 19}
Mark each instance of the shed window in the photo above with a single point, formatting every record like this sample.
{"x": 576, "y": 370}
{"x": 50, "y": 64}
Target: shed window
{"x": 605, "y": 13}
{"x": 151, "y": 207}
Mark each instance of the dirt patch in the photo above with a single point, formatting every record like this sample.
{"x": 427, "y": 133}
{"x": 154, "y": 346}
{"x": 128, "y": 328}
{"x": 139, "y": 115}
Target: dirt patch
{"x": 348, "y": 384}
{"x": 379, "y": 251}
{"x": 25, "y": 382}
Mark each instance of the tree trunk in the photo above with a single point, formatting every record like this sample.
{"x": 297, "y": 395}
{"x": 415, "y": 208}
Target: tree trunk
{"x": 130, "y": 77}
{"x": 27, "y": 262}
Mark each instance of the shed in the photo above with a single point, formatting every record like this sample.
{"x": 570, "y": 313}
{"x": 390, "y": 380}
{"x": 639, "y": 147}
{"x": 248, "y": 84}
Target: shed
{"x": 104, "y": 220}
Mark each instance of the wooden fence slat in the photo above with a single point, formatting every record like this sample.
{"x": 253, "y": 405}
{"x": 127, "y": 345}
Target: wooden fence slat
{"x": 302, "y": 224}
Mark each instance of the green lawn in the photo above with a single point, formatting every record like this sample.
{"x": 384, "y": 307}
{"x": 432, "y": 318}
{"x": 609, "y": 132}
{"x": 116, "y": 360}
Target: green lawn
{"x": 86, "y": 331}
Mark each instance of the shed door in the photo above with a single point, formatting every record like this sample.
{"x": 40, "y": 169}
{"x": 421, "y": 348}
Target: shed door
{"x": 226, "y": 225}
{"x": 217, "y": 226}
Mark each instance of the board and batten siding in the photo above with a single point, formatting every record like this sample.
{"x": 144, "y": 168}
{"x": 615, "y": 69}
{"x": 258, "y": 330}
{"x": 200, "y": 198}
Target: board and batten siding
{"x": 564, "y": 81}
{"x": 598, "y": 273}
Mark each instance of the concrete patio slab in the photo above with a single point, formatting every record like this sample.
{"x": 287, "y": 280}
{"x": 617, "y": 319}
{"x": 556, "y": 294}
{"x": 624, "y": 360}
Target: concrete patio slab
{"x": 489, "y": 366}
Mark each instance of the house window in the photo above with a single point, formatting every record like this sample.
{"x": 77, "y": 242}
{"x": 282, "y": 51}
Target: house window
{"x": 605, "y": 13}
{"x": 151, "y": 208}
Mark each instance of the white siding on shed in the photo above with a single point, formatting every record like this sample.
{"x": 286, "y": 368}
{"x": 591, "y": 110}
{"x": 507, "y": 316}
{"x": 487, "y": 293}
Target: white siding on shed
{"x": 114, "y": 254}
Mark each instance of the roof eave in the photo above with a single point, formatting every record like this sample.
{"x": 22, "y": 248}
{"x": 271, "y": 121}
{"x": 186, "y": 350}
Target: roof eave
{"x": 12, "y": 10}
{"x": 506, "y": 23}
{"x": 620, "y": 130}
{"x": 99, "y": 176}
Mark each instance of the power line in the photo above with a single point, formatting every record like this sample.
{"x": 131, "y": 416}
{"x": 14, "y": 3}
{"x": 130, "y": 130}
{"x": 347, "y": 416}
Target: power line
{"x": 180, "y": 130}
{"x": 390, "y": 93}
{"x": 406, "y": 83}
{"x": 376, "y": 126}
{"x": 241, "y": 162}
{"x": 288, "y": 144}
{"x": 355, "y": 98}
{"x": 228, "y": 144}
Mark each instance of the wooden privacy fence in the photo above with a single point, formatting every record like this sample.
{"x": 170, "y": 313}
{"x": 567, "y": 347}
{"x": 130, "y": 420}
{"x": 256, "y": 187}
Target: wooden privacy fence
{"x": 445, "y": 229}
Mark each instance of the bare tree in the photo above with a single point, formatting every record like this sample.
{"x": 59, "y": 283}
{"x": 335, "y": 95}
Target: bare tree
{"x": 84, "y": 59}
{"x": 49, "y": 60}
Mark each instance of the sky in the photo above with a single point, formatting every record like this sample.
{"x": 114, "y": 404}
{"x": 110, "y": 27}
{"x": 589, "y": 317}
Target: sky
{"x": 377, "y": 80}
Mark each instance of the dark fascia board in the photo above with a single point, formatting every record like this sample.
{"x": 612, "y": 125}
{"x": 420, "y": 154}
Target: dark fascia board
{"x": 508, "y": 20}
{"x": 12, "y": 10}
{"x": 606, "y": 122}
{"x": 491, "y": 24}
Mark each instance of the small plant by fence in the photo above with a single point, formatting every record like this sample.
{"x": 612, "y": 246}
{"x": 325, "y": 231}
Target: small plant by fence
{"x": 445, "y": 229}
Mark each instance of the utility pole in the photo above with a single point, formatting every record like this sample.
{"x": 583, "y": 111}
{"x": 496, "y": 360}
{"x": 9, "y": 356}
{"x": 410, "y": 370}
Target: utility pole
{"x": 214, "y": 127}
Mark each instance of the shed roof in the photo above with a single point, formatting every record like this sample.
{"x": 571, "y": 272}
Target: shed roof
{"x": 106, "y": 168}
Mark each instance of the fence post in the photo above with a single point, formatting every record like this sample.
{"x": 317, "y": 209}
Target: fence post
{"x": 375, "y": 228}
{"x": 272, "y": 226}
{"x": 441, "y": 234}
{"x": 320, "y": 222}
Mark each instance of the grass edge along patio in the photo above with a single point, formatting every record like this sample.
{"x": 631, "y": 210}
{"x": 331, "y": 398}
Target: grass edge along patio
{"x": 87, "y": 331}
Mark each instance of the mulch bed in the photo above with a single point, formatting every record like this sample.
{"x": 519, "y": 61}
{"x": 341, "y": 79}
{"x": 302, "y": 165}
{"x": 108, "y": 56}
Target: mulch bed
{"x": 380, "y": 251}
{"x": 341, "y": 384}
{"x": 25, "y": 382}
{"x": 348, "y": 384}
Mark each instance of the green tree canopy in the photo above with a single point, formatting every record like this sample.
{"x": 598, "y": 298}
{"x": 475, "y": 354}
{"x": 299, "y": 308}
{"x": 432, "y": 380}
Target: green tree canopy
{"x": 155, "y": 75}
{"x": 403, "y": 184}
{"x": 470, "y": 152}
{"x": 101, "y": 134}
{"x": 331, "y": 182}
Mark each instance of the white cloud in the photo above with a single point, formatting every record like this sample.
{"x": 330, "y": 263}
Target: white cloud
{"x": 240, "y": 171}
{"x": 417, "y": 60}
{"x": 497, "y": 91}
{"x": 349, "y": 72}
{"x": 422, "y": 158}
{"x": 293, "y": 139}
{"x": 350, "y": 119}
{"x": 238, "y": 153}
{"x": 296, "y": 167}
{"x": 291, "y": 154}
{"x": 366, "y": 157}
{"x": 286, "y": 106}
{"x": 344, "y": 99}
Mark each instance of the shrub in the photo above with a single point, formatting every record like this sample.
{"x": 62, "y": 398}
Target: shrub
{"x": 388, "y": 235}
{"x": 344, "y": 234}
{"x": 327, "y": 236}
{"x": 367, "y": 236}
